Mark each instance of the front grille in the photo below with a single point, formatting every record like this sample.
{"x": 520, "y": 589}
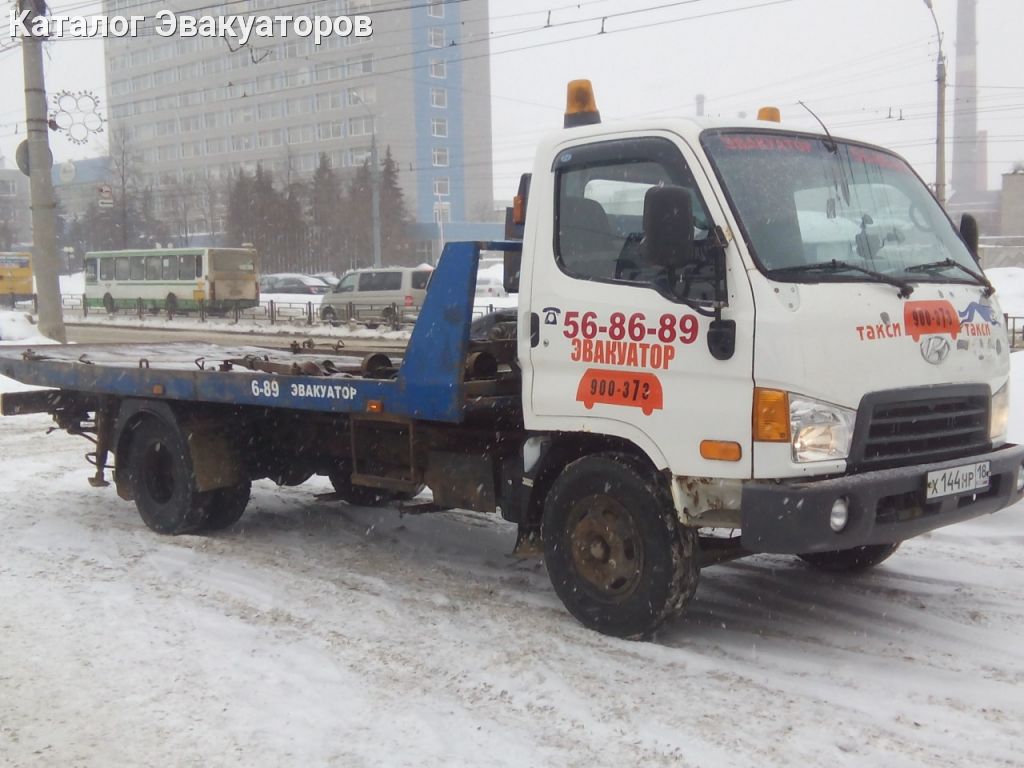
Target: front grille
{"x": 896, "y": 429}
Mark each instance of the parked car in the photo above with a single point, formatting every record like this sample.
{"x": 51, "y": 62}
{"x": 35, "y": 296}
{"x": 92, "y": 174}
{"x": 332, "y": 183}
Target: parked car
{"x": 328, "y": 277}
{"x": 490, "y": 284}
{"x": 375, "y": 295}
{"x": 289, "y": 282}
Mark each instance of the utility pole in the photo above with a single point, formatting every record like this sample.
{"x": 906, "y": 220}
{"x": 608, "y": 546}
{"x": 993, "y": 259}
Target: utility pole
{"x": 40, "y": 163}
{"x": 940, "y": 116}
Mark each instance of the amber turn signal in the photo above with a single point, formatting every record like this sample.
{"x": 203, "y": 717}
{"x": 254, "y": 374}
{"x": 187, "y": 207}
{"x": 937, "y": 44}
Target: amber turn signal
{"x": 771, "y": 415}
{"x": 720, "y": 450}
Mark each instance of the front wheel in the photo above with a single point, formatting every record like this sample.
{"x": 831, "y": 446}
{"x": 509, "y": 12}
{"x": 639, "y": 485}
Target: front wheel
{"x": 329, "y": 316}
{"x": 850, "y": 560}
{"x": 615, "y": 551}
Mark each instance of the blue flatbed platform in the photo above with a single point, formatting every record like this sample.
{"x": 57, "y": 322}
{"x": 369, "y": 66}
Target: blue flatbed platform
{"x": 428, "y": 384}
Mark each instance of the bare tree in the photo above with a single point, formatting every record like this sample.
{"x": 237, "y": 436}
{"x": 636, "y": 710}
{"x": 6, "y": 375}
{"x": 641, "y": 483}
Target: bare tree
{"x": 124, "y": 173}
{"x": 183, "y": 202}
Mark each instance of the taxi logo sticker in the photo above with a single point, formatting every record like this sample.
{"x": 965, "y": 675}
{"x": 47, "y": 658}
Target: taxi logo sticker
{"x": 629, "y": 388}
{"x": 923, "y": 317}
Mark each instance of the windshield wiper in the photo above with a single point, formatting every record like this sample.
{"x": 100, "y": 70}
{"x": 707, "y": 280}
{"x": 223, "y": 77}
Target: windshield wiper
{"x": 838, "y": 266}
{"x": 947, "y": 262}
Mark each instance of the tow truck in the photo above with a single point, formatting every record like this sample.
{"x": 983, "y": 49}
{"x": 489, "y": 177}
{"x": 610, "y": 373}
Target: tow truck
{"x": 731, "y": 338}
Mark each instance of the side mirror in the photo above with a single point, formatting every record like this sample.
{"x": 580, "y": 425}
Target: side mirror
{"x": 668, "y": 226}
{"x": 969, "y": 234}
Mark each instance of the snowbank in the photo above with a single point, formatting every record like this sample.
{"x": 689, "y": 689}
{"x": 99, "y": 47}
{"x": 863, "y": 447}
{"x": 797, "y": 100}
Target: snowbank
{"x": 1009, "y": 285}
{"x": 20, "y": 328}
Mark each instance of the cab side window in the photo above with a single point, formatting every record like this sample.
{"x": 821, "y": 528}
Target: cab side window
{"x": 600, "y": 206}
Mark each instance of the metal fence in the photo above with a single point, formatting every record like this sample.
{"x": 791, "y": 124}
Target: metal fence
{"x": 269, "y": 312}
{"x": 1015, "y": 330}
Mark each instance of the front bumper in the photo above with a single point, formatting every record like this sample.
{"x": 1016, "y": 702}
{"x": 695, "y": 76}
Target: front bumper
{"x": 885, "y": 506}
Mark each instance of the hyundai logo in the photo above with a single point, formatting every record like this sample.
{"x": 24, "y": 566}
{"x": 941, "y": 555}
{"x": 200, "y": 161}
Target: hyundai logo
{"x": 935, "y": 349}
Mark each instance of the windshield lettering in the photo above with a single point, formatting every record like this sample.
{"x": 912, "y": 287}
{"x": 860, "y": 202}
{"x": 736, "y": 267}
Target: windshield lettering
{"x": 814, "y": 210}
{"x": 765, "y": 143}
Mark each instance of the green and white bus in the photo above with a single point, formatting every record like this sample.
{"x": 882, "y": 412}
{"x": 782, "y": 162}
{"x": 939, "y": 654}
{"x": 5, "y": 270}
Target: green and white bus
{"x": 174, "y": 279}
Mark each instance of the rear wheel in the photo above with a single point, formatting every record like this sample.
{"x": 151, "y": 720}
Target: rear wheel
{"x": 850, "y": 560}
{"x": 291, "y": 475}
{"x": 161, "y": 476}
{"x": 225, "y": 506}
{"x": 615, "y": 552}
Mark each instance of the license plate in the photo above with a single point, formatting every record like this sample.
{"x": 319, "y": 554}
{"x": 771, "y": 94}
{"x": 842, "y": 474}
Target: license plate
{"x": 965, "y": 479}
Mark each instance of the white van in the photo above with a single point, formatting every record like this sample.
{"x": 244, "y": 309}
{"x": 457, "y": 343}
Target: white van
{"x": 390, "y": 294}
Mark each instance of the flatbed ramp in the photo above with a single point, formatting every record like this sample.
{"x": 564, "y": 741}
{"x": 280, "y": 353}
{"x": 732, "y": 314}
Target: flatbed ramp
{"x": 427, "y": 383}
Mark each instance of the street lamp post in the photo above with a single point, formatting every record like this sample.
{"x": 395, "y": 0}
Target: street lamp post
{"x": 374, "y": 181}
{"x": 375, "y": 186}
{"x": 940, "y": 115}
{"x": 440, "y": 209}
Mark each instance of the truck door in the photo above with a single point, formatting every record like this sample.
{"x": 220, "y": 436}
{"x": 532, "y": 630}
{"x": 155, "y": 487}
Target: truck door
{"x": 621, "y": 347}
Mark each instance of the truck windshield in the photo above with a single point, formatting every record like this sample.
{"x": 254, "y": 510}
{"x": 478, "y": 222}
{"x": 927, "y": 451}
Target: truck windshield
{"x": 804, "y": 200}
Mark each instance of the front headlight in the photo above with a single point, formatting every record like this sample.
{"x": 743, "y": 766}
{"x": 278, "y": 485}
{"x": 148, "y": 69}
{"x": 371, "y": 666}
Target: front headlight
{"x": 821, "y": 431}
{"x": 999, "y": 416}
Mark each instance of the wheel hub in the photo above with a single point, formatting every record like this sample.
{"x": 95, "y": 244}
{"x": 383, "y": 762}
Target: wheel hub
{"x": 607, "y": 550}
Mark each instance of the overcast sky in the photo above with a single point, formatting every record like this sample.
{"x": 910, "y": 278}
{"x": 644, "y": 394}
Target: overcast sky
{"x": 859, "y": 64}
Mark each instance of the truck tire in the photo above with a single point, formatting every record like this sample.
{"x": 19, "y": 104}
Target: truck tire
{"x": 161, "y": 475}
{"x": 850, "y": 560}
{"x": 291, "y": 476}
{"x": 225, "y": 506}
{"x": 615, "y": 552}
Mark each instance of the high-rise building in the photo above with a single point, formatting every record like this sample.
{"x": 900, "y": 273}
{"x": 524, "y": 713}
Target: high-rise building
{"x": 193, "y": 111}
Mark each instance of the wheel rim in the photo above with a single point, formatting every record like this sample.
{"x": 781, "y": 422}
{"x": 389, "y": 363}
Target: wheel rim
{"x": 606, "y": 546}
{"x": 158, "y": 469}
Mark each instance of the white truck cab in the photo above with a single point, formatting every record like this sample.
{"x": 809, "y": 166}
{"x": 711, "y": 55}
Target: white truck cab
{"x": 786, "y": 325}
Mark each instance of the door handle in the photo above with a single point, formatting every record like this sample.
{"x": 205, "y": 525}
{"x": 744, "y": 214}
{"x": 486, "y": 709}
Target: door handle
{"x": 534, "y": 329}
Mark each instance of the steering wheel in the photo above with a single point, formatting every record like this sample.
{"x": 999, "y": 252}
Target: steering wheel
{"x": 626, "y": 266}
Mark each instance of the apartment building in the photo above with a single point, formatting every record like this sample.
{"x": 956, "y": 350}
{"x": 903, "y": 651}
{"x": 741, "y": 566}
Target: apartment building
{"x": 196, "y": 110}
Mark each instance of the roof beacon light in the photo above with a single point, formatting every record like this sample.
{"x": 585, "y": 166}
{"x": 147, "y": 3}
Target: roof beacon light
{"x": 580, "y": 105}
{"x": 771, "y": 114}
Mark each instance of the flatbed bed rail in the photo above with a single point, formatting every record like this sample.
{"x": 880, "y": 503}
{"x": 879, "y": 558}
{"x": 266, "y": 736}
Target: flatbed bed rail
{"x": 428, "y": 384}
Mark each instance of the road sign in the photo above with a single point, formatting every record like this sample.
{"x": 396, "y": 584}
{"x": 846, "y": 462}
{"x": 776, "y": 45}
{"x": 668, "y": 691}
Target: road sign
{"x": 106, "y": 196}
{"x": 67, "y": 172}
{"x": 21, "y": 157}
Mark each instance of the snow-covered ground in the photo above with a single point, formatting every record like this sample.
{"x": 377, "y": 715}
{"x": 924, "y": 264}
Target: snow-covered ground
{"x": 315, "y": 633}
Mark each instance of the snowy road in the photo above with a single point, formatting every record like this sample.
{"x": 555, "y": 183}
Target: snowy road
{"x": 319, "y": 634}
